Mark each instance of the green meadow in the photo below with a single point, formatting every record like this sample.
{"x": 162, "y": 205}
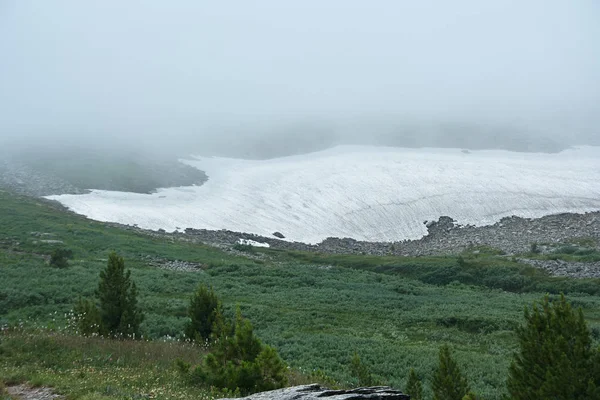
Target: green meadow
{"x": 316, "y": 309}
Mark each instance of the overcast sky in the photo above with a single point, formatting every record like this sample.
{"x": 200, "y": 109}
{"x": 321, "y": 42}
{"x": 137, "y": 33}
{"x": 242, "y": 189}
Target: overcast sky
{"x": 116, "y": 67}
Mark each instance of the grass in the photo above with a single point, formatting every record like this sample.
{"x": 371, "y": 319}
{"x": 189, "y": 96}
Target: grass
{"x": 3, "y": 392}
{"x": 316, "y": 309}
{"x": 98, "y": 368}
{"x": 86, "y": 368}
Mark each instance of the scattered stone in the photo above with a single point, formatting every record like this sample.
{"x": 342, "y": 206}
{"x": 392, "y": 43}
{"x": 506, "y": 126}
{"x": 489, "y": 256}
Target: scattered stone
{"x": 174, "y": 265}
{"x": 315, "y": 392}
{"x": 41, "y": 234}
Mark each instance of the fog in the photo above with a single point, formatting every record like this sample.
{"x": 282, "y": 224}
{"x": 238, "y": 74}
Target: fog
{"x": 267, "y": 77}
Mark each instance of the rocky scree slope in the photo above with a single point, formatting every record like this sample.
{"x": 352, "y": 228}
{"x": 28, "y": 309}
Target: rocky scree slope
{"x": 511, "y": 235}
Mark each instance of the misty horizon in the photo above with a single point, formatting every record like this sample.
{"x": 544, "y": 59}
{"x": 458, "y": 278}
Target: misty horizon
{"x": 211, "y": 75}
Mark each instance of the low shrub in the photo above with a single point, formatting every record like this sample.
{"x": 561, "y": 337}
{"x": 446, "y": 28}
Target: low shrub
{"x": 247, "y": 248}
{"x": 59, "y": 258}
{"x": 85, "y": 319}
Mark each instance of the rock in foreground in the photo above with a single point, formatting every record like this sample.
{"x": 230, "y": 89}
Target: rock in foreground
{"x": 314, "y": 392}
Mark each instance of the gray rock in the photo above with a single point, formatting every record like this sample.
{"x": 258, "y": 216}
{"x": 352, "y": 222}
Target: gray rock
{"x": 25, "y": 392}
{"x": 314, "y": 392}
{"x": 279, "y": 235}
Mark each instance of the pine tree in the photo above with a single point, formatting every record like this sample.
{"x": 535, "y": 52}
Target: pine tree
{"x": 360, "y": 371}
{"x": 414, "y": 387}
{"x": 132, "y": 316}
{"x": 247, "y": 345}
{"x": 448, "y": 382}
{"x": 202, "y": 312}
{"x": 117, "y": 294}
{"x": 556, "y": 359}
{"x": 238, "y": 360}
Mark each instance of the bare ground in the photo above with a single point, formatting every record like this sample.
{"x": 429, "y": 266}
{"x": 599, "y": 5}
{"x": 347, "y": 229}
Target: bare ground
{"x": 26, "y": 392}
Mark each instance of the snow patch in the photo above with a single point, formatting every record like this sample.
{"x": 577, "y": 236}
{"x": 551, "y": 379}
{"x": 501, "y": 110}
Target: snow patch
{"x": 367, "y": 193}
{"x": 248, "y": 242}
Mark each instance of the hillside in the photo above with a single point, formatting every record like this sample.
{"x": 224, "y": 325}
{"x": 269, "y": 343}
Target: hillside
{"x": 52, "y": 169}
{"x": 316, "y": 309}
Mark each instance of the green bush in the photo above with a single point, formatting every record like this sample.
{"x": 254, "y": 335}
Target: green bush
{"x": 59, "y": 258}
{"x": 247, "y": 248}
{"x": 534, "y": 249}
{"x": 473, "y": 324}
{"x": 86, "y": 317}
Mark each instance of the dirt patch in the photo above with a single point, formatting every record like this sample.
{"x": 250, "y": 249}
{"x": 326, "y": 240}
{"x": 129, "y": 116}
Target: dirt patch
{"x": 25, "y": 392}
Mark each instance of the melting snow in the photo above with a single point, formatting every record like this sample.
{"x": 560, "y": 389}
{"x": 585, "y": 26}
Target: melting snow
{"x": 253, "y": 243}
{"x": 367, "y": 193}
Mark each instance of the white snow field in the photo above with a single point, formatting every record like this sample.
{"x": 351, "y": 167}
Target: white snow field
{"x": 367, "y": 193}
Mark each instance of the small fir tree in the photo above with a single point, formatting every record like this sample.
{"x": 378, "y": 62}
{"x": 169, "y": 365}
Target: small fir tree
{"x": 238, "y": 361}
{"x": 448, "y": 382}
{"x": 414, "y": 386}
{"x": 360, "y": 371}
{"x": 202, "y": 311}
{"x": 117, "y": 295}
{"x": 555, "y": 359}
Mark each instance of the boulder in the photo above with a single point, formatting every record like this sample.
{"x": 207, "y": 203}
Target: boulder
{"x": 315, "y": 391}
{"x": 279, "y": 235}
